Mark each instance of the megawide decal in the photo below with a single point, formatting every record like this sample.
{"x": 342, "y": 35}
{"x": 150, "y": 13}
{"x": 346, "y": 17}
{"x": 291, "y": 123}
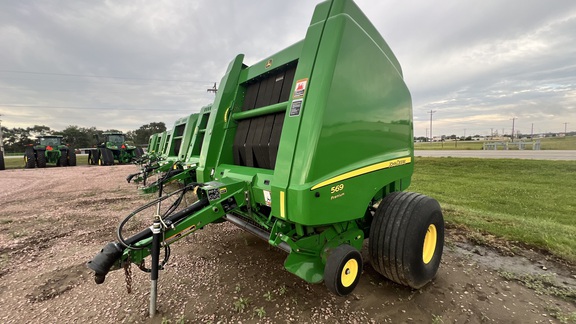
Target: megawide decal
{"x": 371, "y": 168}
{"x": 300, "y": 88}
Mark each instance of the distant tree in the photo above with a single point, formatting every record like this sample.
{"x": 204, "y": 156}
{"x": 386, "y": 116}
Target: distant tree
{"x": 16, "y": 139}
{"x": 76, "y": 137}
{"x": 142, "y": 134}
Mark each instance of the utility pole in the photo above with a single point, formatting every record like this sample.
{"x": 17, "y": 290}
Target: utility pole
{"x": 565, "y": 128}
{"x": 513, "y": 119}
{"x": 426, "y": 132}
{"x": 213, "y": 89}
{"x": 431, "y": 112}
{"x": 532, "y": 131}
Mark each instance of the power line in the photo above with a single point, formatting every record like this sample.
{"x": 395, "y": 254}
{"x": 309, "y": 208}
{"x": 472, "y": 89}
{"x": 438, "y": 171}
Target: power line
{"x": 91, "y": 108}
{"x": 98, "y": 82}
{"x": 86, "y": 91}
{"x": 101, "y": 76}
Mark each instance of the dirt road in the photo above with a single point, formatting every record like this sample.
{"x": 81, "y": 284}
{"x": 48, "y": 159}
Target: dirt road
{"x": 54, "y": 220}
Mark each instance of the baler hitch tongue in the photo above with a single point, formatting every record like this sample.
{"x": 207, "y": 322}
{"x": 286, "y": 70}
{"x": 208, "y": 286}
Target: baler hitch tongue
{"x": 103, "y": 261}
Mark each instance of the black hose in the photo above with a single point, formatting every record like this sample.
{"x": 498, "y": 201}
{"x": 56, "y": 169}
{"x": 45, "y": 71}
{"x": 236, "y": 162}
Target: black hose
{"x": 127, "y": 243}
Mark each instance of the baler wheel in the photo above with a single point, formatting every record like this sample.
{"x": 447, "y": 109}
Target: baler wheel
{"x": 2, "y": 165}
{"x": 343, "y": 269}
{"x": 41, "y": 159}
{"x": 407, "y": 238}
{"x": 29, "y": 158}
{"x": 71, "y": 157}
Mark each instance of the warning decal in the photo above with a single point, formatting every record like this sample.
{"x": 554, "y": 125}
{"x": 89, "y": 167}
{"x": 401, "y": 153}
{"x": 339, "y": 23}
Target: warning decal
{"x": 295, "y": 108}
{"x": 300, "y": 88}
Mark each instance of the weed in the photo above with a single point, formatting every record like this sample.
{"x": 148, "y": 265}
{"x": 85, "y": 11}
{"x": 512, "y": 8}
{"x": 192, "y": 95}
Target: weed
{"x": 241, "y": 304}
{"x": 541, "y": 284}
{"x": 282, "y": 290}
{"x": 437, "y": 319}
{"x": 260, "y": 312}
{"x": 268, "y": 296}
{"x": 181, "y": 320}
{"x": 237, "y": 288}
{"x": 557, "y": 313}
{"x": 476, "y": 238}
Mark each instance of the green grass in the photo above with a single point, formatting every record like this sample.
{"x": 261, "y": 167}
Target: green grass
{"x": 18, "y": 163}
{"x": 549, "y": 143}
{"x": 529, "y": 201}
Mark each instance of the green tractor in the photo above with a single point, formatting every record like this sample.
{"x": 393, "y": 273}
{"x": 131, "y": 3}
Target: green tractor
{"x": 310, "y": 149}
{"x": 113, "y": 149}
{"x": 49, "y": 149}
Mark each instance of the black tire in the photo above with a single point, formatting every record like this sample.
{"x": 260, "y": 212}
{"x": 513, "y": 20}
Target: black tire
{"x": 403, "y": 224}
{"x": 138, "y": 152}
{"x": 106, "y": 157}
{"x": 343, "y": 270}
{"x": 2, "y": 165}
{"x": 71, "y": 157}
{"x": 29, "y": 158}
{"x": 94, "y": 156}
{"x": 63, "y": 160}
{"x": 41, "y": 158}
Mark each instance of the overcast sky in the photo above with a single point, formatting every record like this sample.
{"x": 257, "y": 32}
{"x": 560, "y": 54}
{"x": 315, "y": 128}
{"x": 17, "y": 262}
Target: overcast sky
{"x": 122, "y": 64}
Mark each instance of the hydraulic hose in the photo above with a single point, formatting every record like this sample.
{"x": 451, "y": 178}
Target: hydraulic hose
{"x": 128, "y": 243}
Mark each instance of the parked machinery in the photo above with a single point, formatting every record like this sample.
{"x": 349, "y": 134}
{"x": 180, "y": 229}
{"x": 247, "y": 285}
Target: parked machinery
{"x": 113, "y": 149}
{"x": 49, "y": 149}
{"x": 310, "y": 149}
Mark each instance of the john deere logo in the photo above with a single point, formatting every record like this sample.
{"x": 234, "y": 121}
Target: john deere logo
{"x": 269, "y": 63}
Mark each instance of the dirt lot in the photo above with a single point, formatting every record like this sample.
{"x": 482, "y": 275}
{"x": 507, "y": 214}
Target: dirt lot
{"x": 54, "y": 220}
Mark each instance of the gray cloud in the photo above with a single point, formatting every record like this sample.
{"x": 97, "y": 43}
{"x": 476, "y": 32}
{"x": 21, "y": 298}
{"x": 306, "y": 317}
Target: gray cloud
{"x": 477, "y": 64}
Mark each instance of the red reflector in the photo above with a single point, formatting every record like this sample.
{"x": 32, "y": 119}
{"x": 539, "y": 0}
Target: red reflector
{"x": 49, "y": 148}
{"x": 123, "y": 146}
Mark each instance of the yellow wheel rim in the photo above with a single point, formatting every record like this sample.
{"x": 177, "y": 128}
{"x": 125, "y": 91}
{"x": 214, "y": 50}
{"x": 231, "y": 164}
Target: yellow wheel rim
{"x": 349, "y": 273}
{"x": 99, "y": 161}
{"x": 429, "y": 244}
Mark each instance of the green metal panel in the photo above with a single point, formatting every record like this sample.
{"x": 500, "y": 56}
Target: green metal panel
{"x": 179, "y": 139}
{"x": 357, "y": 113}
{"x": 152, "y": 143}
{"x": 197, "y": 137}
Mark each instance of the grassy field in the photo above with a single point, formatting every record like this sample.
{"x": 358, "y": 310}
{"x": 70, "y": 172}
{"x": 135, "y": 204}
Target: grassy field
{"x": 520, "y": 200}
{"x": 549, "y": 143}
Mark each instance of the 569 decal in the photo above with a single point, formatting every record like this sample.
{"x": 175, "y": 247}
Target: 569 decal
{"x": 337, "y": 188}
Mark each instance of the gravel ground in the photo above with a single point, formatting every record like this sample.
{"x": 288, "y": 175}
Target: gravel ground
{"x": 56, "y": 219}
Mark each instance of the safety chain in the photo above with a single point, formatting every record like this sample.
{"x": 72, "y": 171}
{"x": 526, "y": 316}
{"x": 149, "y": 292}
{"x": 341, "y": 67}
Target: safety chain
{"x": 128, "y": 274}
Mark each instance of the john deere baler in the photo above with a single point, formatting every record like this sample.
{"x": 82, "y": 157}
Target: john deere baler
{"x": 311, "y": 149}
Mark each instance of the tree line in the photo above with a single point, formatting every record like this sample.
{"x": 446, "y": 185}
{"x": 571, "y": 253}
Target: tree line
{"x": 16, "y": 139}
